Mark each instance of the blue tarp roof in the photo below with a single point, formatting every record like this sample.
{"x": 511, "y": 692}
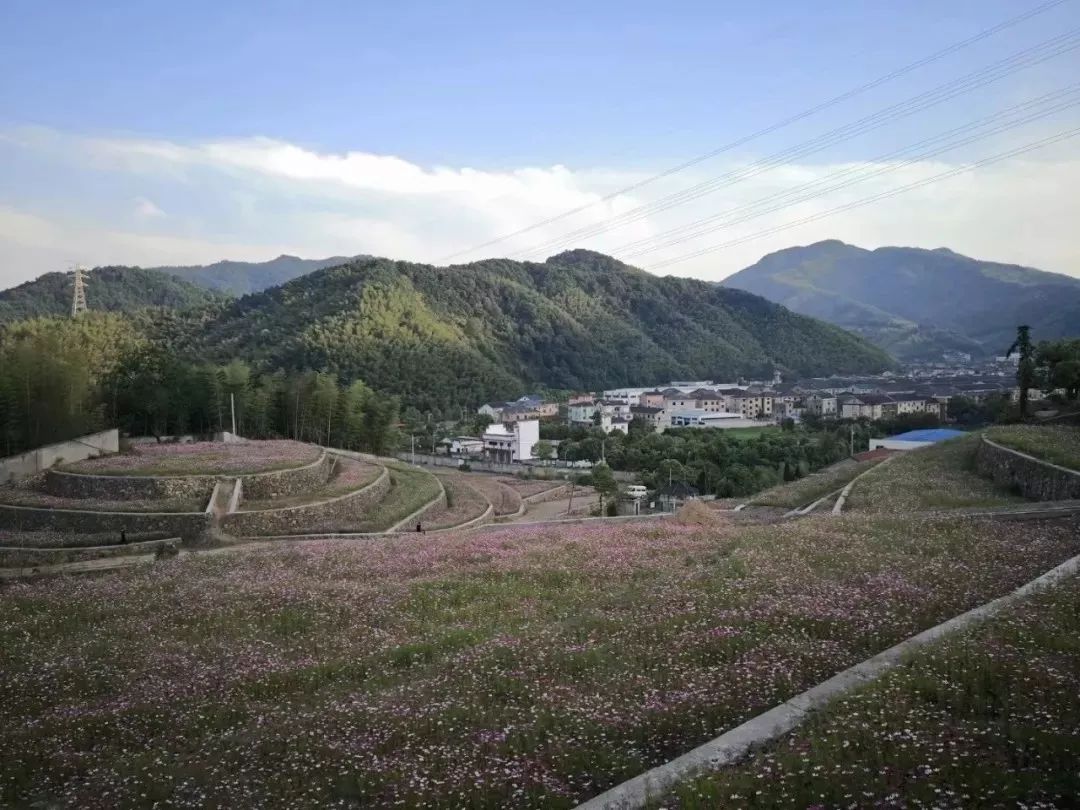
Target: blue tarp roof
{"x": 929, "y": 435}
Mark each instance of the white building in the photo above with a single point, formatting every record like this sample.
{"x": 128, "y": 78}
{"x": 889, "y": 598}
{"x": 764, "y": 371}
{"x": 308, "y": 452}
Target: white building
{"x": 701, "y": 418}
{"x": 512, "y": 442}
{"x": 463, "y": 445}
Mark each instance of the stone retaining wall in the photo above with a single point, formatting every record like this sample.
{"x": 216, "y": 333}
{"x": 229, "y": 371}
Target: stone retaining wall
{"x": 34, "y": 461}
{"x": 188, "y": 525}
{"x": 1031, "y": 477}
{"x": 257, "y": 486}
{"x": 288, "y": 483}
{"x": 313, "y": 517}
{"x": 18, "y": 557}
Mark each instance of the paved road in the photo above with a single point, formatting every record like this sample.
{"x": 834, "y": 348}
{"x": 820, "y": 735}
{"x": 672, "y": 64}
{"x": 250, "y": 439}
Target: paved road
{"x": 553, "y": 510}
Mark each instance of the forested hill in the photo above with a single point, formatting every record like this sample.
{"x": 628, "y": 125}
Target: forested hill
{"x": 114, "y": 289}
{"x": 241, "y": 278}
{"x": 916, "y": 303}
{"x": 453, "y": 336}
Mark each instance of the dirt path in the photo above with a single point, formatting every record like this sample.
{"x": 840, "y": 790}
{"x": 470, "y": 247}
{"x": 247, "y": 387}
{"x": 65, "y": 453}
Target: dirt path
{"x": 553, "y": 510}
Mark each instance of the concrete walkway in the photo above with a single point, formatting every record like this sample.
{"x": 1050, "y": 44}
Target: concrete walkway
{"x": 733, "y": 745}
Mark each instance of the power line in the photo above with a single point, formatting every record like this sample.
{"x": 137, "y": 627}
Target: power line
{"x": 820, "y": 187}
{"x": 1061, "y": 136}
{"x": 934, "y": 57}
{"x": 1044, "y": 51}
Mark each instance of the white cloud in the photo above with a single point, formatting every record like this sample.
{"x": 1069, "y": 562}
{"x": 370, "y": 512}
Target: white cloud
{"x": 147, "y": 209}
{"x": 255, "y": 198}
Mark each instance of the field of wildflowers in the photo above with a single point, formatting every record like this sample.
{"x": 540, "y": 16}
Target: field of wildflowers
{"x": 200, "y": 458}
{"x": 525, "y": 667}
{"x": 27, "y": 496}
{"x": 1057, "y": 444}
{"x": 989, "y": 718}
{"x": 941, "y": 476}
{"x": 808, "y": 489}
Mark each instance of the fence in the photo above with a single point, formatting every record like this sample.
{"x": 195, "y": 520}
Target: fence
{"x": 559, "y": 469}
{"x": 34, "y": 461}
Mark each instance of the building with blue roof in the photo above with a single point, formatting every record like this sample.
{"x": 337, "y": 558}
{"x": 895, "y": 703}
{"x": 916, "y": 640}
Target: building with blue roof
{"x": 914, "y": 439}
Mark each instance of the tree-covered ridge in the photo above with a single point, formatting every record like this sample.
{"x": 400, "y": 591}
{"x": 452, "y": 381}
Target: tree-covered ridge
{"x": 916, "y": 303}
{"x": 109, "y": 289}
{"x": 241, "y": 278}
{"x": 446, "y": 337}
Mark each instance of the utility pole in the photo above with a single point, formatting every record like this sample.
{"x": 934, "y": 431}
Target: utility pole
{"x": 232, "y": 408}
{"x": 78, "y": 300}
{"x": 851, "y": 443}
{"x": 413, "y": 437}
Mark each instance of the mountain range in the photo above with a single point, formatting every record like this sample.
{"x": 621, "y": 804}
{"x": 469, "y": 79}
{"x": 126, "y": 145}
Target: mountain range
{"x": 241, "y": 278}
{"x": 443, "y": 337}
{"x": 914, "y": 303}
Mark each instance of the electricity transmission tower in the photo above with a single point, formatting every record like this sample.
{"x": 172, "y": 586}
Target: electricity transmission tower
{"x": 78, "y": 300}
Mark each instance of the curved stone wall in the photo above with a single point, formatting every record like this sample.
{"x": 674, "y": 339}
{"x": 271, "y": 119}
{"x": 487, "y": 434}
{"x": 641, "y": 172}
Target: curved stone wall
{"x": 1031, "y": 477}
{"x": 258, "y": 486}
{"x": 311, "y": 517}
{"x": 187, "y": 525}
{"x": 288, "y": 483}
{"x": 128, "y": 487}
{"x": 29, "y": 557}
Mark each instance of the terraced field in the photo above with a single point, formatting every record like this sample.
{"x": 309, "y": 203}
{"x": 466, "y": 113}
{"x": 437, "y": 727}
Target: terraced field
{"x": 348, "y": 475}
{"x": 410, "y": 489}
{"x": 941, "y": 476}
{"x": 989, "y": 718}
{"x": 519, "y": 667}
{"x": 202, "y": 458}
{"x": 1057, "y": 444}
{"x": 806, "y": 490}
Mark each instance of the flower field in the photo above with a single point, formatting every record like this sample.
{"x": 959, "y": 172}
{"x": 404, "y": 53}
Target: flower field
{"x": 523, "y": 667}
{"x": 200, "y": 458}
{"x": 810, "y": 488}
{"x": 941, "y": 476}
{"x": 1057, "y": 444}
{"x": 26, "y": 496}
{"x": 990, "y": 718}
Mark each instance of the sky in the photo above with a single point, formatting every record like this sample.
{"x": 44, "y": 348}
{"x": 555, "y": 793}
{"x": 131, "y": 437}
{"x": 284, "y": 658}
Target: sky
{"x": 151, "y": 133}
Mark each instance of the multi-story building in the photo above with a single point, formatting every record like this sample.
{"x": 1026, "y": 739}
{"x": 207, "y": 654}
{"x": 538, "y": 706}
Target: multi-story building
{"x": 751, "y": 405}
{"x": 507, "y": 442}
{"x": 526, "y": 407}
{"x": 657, "y": 418}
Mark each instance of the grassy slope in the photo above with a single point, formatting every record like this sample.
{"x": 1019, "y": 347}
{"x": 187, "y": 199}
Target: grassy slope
{"x": 988, "y": 718}
{"x": 938, "y": 477}
{"x": 808, "y": 489}
{"x": 410, "y": 488}
{"x": 1058, "y": 444}
{"x": 513, "y": 668}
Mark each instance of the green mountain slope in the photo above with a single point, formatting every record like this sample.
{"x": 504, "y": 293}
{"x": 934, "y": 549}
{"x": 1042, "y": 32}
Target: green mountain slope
{"x": 112, "y": 289}
{"x": 452, "y": 336}
{"x": 916, "y": 303}
{"x": 241, "y": 278}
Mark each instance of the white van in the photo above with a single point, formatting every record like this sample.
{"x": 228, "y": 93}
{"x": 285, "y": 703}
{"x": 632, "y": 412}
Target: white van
{"x": 636, "y": 491}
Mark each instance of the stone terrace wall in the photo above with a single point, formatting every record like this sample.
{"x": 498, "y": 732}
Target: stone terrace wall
{"x": 1033, "y": 478}
{"x": 128, "y": 487}
{"x": 308, "y": 518}
{"x": 288, "y": 483}
{"x": 187, "y": 525}
{"x": 258, "y": 486}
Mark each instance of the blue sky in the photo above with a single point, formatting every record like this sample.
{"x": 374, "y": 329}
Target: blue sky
{"x": 159, "y": 133}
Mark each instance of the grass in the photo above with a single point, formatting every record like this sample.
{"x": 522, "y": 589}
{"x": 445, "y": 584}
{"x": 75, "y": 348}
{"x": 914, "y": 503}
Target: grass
{"x": 810, "y": 488}
{"x": 525, "y": 667}
{"x": 464, "y": 502}
{"x": 410, "y": 488}
{"x": 18, "y": 496}
{"x": 746, "y": 433}
{"x": 1058, "y": 444}
{"x": 202, "y": 458}
{"x": 941, "y": 476}
{"x": 989, "y": 718}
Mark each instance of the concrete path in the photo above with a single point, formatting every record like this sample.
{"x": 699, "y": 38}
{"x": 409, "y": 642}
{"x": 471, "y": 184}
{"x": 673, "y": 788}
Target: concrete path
{"x": 553, "y": 510}
{"x": 733, "y": 745}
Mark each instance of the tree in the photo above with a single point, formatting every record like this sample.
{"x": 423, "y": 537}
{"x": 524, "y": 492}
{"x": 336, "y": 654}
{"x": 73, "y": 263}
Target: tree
{"x": 1025, "y": 369}
{"x": 1058, "y": 364}
{"x": 544, "y": 450}
{"x": 603, "y": 481}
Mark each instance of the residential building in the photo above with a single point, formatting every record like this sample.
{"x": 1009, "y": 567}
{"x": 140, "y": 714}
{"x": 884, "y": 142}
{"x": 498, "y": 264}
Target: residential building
{"x": 507, "y": 442}
{"x": 824, "y": 405}
{"x": 463, "y": 445}
{"x": 526, "y": 407}
{"x": 606, "y": 414}
{"x": 751, "y": 405}
{"x": 657, "y": 418}
{"x": 652, "y": 399}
